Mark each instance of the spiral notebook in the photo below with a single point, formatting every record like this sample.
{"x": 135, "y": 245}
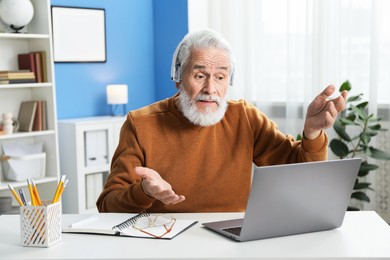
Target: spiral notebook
{"x": 142, "y": 225}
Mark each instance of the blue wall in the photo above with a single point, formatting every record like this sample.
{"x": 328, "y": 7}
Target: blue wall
{"x": 170, "y": 25}
{"x": 141, "y": 36}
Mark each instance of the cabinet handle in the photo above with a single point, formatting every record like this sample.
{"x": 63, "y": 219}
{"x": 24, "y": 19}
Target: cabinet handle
{"x": 92, "y": 158}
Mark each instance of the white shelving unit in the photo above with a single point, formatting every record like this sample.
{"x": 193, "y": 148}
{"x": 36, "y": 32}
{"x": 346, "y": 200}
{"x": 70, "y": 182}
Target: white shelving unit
{"x": 86, "y": 148}
{"x": 35, "y": 37}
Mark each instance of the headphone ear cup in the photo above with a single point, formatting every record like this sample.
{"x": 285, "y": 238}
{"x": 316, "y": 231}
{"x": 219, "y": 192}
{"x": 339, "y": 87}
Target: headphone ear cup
{"x": 232, "y": 78}
{"x": 177, "y": 74}
{"x": 175, "y": 67}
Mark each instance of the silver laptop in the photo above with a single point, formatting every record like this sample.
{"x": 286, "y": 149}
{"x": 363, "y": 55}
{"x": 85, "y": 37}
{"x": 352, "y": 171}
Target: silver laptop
{"x": 293, "y": 199}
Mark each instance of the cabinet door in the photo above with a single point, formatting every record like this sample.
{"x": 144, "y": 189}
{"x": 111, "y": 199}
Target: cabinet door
{"x": 96, "y": 147}
{"x": 93, "y": 187}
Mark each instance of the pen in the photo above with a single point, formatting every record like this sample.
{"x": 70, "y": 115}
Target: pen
{"x": 22, "y": 197}
{"x": 36, "y": 193}
{"x": 15, "y": 195}
{"x": 60, "y": 183}
{"x": 30, "y": 189}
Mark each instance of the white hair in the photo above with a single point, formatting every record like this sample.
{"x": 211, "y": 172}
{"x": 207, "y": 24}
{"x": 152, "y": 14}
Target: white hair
{"x": 202, "y": 40}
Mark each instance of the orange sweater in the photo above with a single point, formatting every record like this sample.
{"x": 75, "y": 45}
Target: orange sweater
{"x": 210, "y": 166}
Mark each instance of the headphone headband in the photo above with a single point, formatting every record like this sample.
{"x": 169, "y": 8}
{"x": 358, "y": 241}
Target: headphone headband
{"x": 176, "y": 68}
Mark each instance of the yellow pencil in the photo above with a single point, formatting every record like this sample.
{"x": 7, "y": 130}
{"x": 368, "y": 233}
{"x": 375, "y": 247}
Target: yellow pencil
{"x": 61, "y": 190}
{"x": 36, "y": 193}
{"x": 30, "y": 189}
{"x": 60, "y": 183}
{"x": 15, "y": 195}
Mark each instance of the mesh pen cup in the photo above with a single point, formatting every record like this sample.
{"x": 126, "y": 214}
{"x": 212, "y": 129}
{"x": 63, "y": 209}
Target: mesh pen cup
{"x": 40, "y": 226}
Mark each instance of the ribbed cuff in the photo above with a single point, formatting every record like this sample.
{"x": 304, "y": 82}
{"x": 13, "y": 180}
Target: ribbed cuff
{"x": 140, "y": 196}
{"x": 315, "y": 145}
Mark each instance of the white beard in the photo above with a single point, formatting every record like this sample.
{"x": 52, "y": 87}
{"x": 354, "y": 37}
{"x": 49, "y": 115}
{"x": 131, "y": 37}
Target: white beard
{"x": 206, "y": 118}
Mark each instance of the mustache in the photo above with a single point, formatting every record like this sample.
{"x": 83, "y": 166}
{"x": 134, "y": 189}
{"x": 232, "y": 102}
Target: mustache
{"x": 204, "y": 97}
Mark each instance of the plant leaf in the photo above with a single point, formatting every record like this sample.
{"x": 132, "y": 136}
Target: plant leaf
{"x": 339, "y": 148}
{"x": 362, "y": 173}
{"x": 362, "y": 185}
{"x": 363, "y": 170}
{"x": 360, "y": 195}
{"x": 340, "y": 130}
{"x": 345, "y": 86}
{"x": 375, "y": 119}
{"x": 346, "y": 121}
{"x": 375, "y": 127}
{"x": 362, "y": 105}
{"x": 351, "y": 117}
{"x": 365, "y": 138}
{"x": 378, "y": 154}
{"x": 359, "y": 112}
{"x": 365, "y": 166}
{"x": 354, "y": 98}
{"x": 370, "y": 132}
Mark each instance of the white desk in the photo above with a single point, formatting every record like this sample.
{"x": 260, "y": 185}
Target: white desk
{"x": 364, "y": 235}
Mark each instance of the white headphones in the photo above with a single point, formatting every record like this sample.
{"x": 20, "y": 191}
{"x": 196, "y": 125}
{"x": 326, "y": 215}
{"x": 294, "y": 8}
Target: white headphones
{"x": 176, "y": 68}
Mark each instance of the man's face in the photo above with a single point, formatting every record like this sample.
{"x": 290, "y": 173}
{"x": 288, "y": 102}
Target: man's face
{"x": 206, "y": 76}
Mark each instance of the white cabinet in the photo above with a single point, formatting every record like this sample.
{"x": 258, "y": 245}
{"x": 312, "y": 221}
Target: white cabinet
{"x": 37, "y": 38}
{"x": 86, "y": 148}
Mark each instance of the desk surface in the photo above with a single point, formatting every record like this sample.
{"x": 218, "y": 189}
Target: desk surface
{"x": 363, "y": 235}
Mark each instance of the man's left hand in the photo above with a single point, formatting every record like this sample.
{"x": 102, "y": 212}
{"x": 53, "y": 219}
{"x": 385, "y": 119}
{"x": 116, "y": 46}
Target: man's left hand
{"x": 322, "y": 112}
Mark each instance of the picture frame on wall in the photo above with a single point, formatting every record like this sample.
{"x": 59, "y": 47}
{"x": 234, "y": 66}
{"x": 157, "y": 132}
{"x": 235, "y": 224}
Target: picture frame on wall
{"x": 79, "y": 34}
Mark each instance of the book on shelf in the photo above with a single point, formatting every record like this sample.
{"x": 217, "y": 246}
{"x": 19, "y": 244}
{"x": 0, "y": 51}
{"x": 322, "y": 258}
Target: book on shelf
{"x": 38, "y": 66}
{"x": 37, "y": 125}
{"x": 35, "y": 62}
{"x": 15, "y": 81}
{"x": 18, "y": 76}
{"x": 26, "y": 115}
{"x": 141, "y": 225}
{"x": 44, "y": 65}
{"x": 32, "y": 116}
{"x": 40, "y": 123}
{"x": 44, "y": 116}
{"x": 27, "y": 61}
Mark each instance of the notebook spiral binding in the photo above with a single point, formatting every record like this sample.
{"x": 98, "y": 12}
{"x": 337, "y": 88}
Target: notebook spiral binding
{"x": 131, "y": 221}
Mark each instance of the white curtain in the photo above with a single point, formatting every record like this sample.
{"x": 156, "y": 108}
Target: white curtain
{"x": 288, "y": 51}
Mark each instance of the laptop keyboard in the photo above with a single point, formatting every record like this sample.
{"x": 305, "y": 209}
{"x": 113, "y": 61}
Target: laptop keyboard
{"x": 234, "y": 230}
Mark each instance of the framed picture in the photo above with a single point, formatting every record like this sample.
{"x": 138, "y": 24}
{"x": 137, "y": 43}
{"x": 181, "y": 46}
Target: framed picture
{"x": 79, "y": 34}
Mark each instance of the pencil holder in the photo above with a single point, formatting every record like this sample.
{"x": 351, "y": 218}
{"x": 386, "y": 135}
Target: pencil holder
{"x": 40, "y": 226}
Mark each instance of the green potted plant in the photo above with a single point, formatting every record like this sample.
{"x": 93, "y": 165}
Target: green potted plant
{"x": 355, "y": 129}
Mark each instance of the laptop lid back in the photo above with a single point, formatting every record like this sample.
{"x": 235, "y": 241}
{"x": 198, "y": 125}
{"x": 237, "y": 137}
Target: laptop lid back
{"x": 298, "y": 198}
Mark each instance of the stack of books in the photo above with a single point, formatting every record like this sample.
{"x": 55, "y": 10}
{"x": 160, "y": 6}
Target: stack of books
{"x": 17, "y": 76}
{"x": 34, "y": 62}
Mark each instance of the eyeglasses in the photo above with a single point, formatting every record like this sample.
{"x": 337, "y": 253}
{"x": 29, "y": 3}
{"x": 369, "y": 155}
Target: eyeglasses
{"x": 155, "y": 225}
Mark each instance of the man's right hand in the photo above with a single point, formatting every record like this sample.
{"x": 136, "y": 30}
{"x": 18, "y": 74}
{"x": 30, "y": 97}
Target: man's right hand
{"x": 156, "y": 187}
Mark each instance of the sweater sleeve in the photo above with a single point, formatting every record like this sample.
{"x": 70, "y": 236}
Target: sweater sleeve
{"x": 272, "y": 147}
{"x": 122, "y": 191}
